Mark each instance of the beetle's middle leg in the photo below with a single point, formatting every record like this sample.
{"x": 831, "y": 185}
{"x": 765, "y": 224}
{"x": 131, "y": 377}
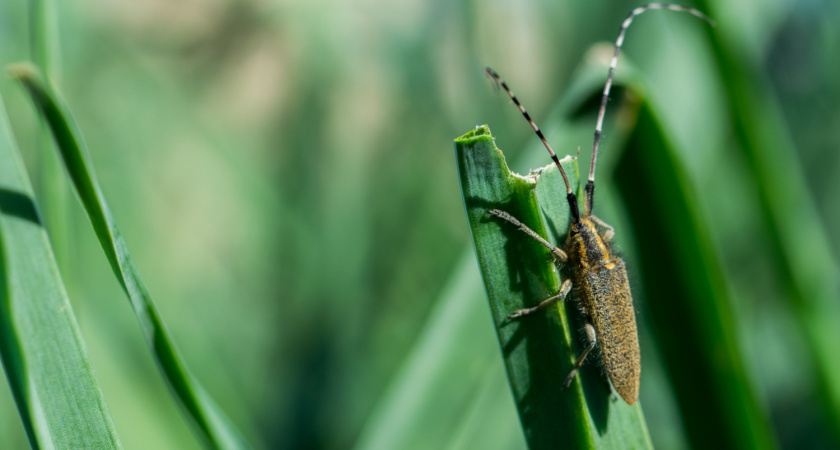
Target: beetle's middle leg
{"x": 564, "y": 291}
{"x": 590, "y": 336}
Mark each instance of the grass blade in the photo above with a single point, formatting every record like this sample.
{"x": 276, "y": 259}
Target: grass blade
{"x": 687, "y": 296}
{"x": 518, "y": 272}
{"x": 43, "y": 353}
{"x": 52, "y": 190}
{"x": 213, "y": 426}
{"x": 799, "y": 245}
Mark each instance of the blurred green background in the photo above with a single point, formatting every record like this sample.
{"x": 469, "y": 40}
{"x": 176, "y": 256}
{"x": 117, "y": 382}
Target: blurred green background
{"x": 283, "y": 173}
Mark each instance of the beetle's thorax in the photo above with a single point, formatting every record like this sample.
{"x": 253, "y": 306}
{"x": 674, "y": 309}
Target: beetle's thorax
{"x": 586, "y": 245}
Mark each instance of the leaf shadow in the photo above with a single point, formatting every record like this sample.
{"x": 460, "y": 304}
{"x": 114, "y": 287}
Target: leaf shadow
{"x": 19, "y": 205}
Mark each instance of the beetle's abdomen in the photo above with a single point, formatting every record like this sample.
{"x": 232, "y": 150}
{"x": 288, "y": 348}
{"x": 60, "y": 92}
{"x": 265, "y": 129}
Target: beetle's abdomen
{"x": 611, "y": 311}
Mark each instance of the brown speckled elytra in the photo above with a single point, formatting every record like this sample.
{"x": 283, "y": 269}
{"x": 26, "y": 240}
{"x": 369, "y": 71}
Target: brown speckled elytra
{"x": 598, "y": 273}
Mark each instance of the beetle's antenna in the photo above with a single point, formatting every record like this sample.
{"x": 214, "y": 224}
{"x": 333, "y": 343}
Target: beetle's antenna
{"x": 569, "y": 195}
{"x": 590, "y": 186}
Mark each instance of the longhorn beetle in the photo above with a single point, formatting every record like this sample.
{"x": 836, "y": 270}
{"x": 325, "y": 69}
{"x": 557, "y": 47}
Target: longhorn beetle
{"x": 598, "y": 273}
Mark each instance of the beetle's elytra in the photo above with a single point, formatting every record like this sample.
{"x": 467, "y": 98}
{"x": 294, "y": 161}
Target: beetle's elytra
{"x": 598, "y": 274}
{"x": 604, "y": 291}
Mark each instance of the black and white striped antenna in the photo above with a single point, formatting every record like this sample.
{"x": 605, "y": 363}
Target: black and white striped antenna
{"x": 590, "y": 185}
{"x": 569, "y": 194}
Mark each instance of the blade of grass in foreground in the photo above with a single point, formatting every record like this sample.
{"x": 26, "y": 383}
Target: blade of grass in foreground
{"x": 210, "y": 421}
{"x": 46, "y": 362}
{"x": 519, "y": 272}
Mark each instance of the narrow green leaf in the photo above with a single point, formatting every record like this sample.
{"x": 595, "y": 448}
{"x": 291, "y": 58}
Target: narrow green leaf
{"x": 43, "y": 36}
{"x": 210, "y": 421}
{"x": 687, "y": 296}
{"x": 43, "y": 353}
{"x": 799, "y": 244}
{"x": 52, "y": 192}
{"x": 519, "y": 272}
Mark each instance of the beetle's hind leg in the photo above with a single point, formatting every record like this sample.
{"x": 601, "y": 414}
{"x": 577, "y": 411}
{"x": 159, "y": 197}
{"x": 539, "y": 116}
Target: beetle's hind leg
{"x": 564, "y": 291}
{"x": 556, "y": 252}
{"x": 590, "y": 336}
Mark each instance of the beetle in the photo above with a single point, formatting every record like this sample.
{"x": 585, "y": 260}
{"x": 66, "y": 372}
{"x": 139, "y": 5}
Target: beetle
{"x": 598, "y": 273}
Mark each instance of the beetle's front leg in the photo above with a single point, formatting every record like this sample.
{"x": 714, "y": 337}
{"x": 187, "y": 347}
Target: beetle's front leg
{"x": 556, "y": 252}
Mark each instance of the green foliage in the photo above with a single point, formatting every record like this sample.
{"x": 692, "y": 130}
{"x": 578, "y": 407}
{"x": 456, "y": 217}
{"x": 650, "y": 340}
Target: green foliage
{"x": 212, "y": 423}
{"x": 691, "y": 316}
{"x": 449, "y": 396}
{"x": 44, "y": 356}
{"x": 798, "y": 241}
{"x": 283, "y": 176}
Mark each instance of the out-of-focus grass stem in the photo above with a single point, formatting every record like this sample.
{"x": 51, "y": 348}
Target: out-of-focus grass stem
{"x": 52, "y": 190}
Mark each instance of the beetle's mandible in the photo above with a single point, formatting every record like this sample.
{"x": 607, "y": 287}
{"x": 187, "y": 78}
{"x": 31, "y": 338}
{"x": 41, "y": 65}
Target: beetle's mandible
{"x": 598, "y": 274}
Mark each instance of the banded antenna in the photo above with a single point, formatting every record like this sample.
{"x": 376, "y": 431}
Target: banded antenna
{"x": 590, "y": 185}
{"x": 569, "y": 195}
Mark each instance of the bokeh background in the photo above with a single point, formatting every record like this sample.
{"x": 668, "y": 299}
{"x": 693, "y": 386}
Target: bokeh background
{"x": 283, "y": 174}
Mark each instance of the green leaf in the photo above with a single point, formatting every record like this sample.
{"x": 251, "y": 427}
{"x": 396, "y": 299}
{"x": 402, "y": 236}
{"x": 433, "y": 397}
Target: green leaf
{"x": 799, "y": 244}
{"x": 43, "y": 353}
{"x": 518, "y": 272}
{"x": 211, "y": 423}
{"x": 52, "y": 192}
{"x": 687, "y": 296}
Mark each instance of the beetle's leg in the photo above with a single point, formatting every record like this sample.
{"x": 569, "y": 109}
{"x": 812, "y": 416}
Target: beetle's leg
{"x": 608, "y": 235}
{"x": 564, "y": 291}
{"x": 556, "y": 252}
{"x": 590, "y": 335}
